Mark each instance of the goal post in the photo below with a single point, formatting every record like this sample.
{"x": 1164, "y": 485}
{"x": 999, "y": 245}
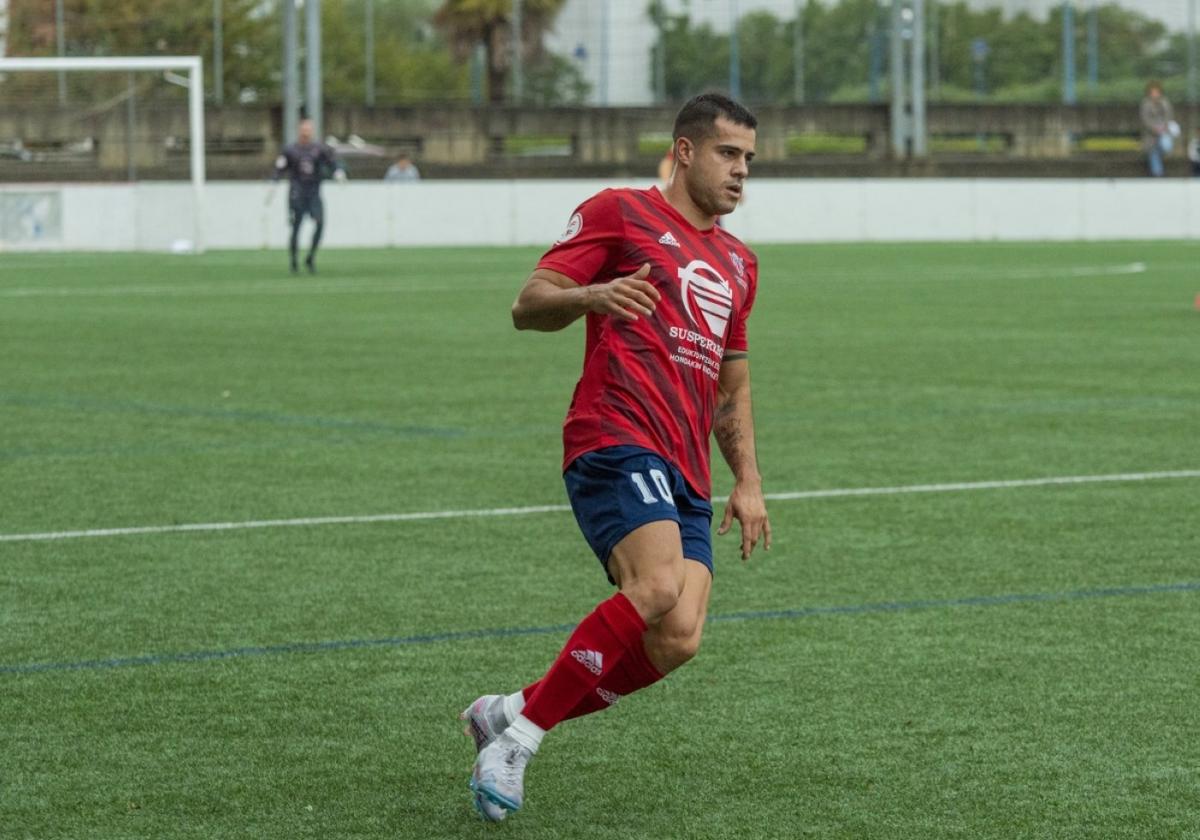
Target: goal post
{"x": 191, "y": 66}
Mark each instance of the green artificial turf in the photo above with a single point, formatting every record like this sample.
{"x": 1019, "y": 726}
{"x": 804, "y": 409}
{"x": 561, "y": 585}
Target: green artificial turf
{"x": 1014, "y": 662}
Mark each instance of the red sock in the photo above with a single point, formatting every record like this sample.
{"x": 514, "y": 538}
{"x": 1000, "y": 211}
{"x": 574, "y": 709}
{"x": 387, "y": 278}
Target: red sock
{"x": 634, "y": 672}
{"x": 593, "y": 651}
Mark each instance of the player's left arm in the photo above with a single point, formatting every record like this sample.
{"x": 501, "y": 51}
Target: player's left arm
{"x": 336, "y": 166}
{"x": 733, "y": 426}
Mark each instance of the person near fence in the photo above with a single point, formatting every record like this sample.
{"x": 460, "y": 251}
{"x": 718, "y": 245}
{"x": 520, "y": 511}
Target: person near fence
{"x": 1193, "y": 152}
{"x": 307, "y": 163}
{"x": 666, "y": 166}
{"x": 1158, "y": 118}
{"x": 402, "y": 171}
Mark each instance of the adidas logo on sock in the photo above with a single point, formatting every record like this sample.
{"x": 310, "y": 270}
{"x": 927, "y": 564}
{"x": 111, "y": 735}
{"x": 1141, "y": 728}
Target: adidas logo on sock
{"x": 668, "y": 239}
{"x": 589, "y": 659}
{"x": 609, "y": 697}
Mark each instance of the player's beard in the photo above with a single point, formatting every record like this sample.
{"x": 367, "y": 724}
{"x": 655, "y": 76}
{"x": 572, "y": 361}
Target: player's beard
{"x": 711, "y": 196}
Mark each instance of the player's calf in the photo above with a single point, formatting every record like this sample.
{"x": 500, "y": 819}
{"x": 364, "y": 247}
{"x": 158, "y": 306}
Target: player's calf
{"x": 669, "y": 649}
{"x": 675, "y": 639}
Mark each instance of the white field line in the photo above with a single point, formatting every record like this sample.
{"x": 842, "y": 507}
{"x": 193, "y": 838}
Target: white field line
{"x": 981, "y": 485}
{"x": 1104, "y": 271}
{"x": 347, "y": 287}
{"x": 534, "y": 509}
{"x": 1073, "y": 271}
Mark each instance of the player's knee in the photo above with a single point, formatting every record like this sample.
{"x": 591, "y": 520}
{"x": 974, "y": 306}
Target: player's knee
{"x": 655, "y": 596}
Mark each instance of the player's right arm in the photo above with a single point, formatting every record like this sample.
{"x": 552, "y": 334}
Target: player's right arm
{"x": 282, "y": 164}
{"x": 551, "y": 301}
{"x": 575, "y": 276}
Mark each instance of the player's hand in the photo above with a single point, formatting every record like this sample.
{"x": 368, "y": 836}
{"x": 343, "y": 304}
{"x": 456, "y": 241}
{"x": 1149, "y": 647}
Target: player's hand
{"x": 628, "y": 297}
{"x": 339, "y": 175}
{"x": 747, "y": 505}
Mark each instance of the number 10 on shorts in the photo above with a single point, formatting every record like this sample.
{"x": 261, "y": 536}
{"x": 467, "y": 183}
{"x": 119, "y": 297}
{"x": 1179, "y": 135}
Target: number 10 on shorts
{"x": 660, "y": 484}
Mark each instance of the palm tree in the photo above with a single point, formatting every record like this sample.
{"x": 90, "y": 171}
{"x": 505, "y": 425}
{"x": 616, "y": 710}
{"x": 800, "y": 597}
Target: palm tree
{"x": 468, "y": 23}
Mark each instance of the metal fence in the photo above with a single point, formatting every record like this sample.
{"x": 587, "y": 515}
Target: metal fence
{"x": 635, "y": 52}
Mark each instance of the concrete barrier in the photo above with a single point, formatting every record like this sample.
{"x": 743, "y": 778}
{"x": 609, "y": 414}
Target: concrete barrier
{"x": 241, "y": 215}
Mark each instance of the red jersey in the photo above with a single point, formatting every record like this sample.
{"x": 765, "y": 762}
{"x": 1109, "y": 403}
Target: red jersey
{"x": 653, "y": 382}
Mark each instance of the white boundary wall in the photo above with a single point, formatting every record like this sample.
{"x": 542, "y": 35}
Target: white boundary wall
{"x": 156, "y": 216}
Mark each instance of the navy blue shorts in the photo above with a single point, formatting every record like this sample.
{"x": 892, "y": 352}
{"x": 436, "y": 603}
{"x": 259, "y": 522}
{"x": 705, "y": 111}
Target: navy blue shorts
{"x": 301, "y": 205}
{"x": 615, "y": 490}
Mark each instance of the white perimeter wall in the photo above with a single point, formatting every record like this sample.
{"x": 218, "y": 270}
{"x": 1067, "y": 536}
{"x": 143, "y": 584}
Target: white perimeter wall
{"x": 154, "y": 216}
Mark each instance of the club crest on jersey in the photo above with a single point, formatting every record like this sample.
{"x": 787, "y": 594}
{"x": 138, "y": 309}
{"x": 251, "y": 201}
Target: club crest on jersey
{"x": 704, "y": 289}
{"x": 574, "y": 225}
{"x": 739, "y": 265}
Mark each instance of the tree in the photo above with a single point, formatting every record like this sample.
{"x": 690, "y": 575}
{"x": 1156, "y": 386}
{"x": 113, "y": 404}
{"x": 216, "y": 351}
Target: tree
{"x": 554, "y": 80}
{"x": 469, "y": 23}
{"x": 837, "y": 43}
{"x": 695, "y": 58}
{"x": 765, "y": 50}
{"x": 836, "y": 46}
{"x": 1023, "y": 62}
{"x": 412, "y": 64}
{"x": 152, "y": 27}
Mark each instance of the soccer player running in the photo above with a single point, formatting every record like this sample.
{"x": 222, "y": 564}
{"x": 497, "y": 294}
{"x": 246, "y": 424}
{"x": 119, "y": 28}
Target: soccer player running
{"x": 307, "y": 162}
{"x": 666, "y": 293}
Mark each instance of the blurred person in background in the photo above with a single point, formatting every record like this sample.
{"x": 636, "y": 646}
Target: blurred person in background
{"x": 307, "y": 162}
{"x": 402, "y": 170}
{"x": 1157, "y": 117}
{"x": 1193, "y": 152}
{"x": 666, "y": 166}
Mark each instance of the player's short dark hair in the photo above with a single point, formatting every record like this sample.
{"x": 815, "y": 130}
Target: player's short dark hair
{"x": 697, "y": 119}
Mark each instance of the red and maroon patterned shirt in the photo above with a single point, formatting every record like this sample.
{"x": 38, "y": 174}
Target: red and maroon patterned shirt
{"x": 653, "y": 382}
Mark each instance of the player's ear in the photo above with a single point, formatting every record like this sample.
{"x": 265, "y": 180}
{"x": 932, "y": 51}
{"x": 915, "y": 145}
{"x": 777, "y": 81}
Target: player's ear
{"x": 684, "y": 149}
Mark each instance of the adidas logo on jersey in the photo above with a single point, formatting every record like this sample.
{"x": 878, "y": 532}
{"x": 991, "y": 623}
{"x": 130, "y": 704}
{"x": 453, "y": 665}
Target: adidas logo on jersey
{"x": 668, "y": 239}
{"x": 590, "y": 659}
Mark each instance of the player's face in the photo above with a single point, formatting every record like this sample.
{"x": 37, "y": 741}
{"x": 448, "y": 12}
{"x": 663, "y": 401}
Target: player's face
{"x": 719, "y": 167}
{"x": 305, "y": 131}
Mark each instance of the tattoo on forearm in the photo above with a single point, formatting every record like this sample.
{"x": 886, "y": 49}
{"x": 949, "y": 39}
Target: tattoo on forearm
{"x": 728, "y": 430}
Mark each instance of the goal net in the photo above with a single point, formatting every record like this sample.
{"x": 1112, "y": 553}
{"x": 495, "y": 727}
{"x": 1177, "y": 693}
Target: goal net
{"x": 68, "y": 122}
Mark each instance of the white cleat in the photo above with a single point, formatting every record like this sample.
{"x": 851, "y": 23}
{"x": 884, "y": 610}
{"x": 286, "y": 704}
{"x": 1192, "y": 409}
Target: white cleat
{"x": 487, "y": 810}
{"x": 499, "y": 775}
{"x": 485, "y": 720}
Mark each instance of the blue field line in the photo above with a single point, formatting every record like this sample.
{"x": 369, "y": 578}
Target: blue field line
{"x": 972, "y": 601}
{"x": 94, "y": 405}
{"x": 509, "y": 632}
